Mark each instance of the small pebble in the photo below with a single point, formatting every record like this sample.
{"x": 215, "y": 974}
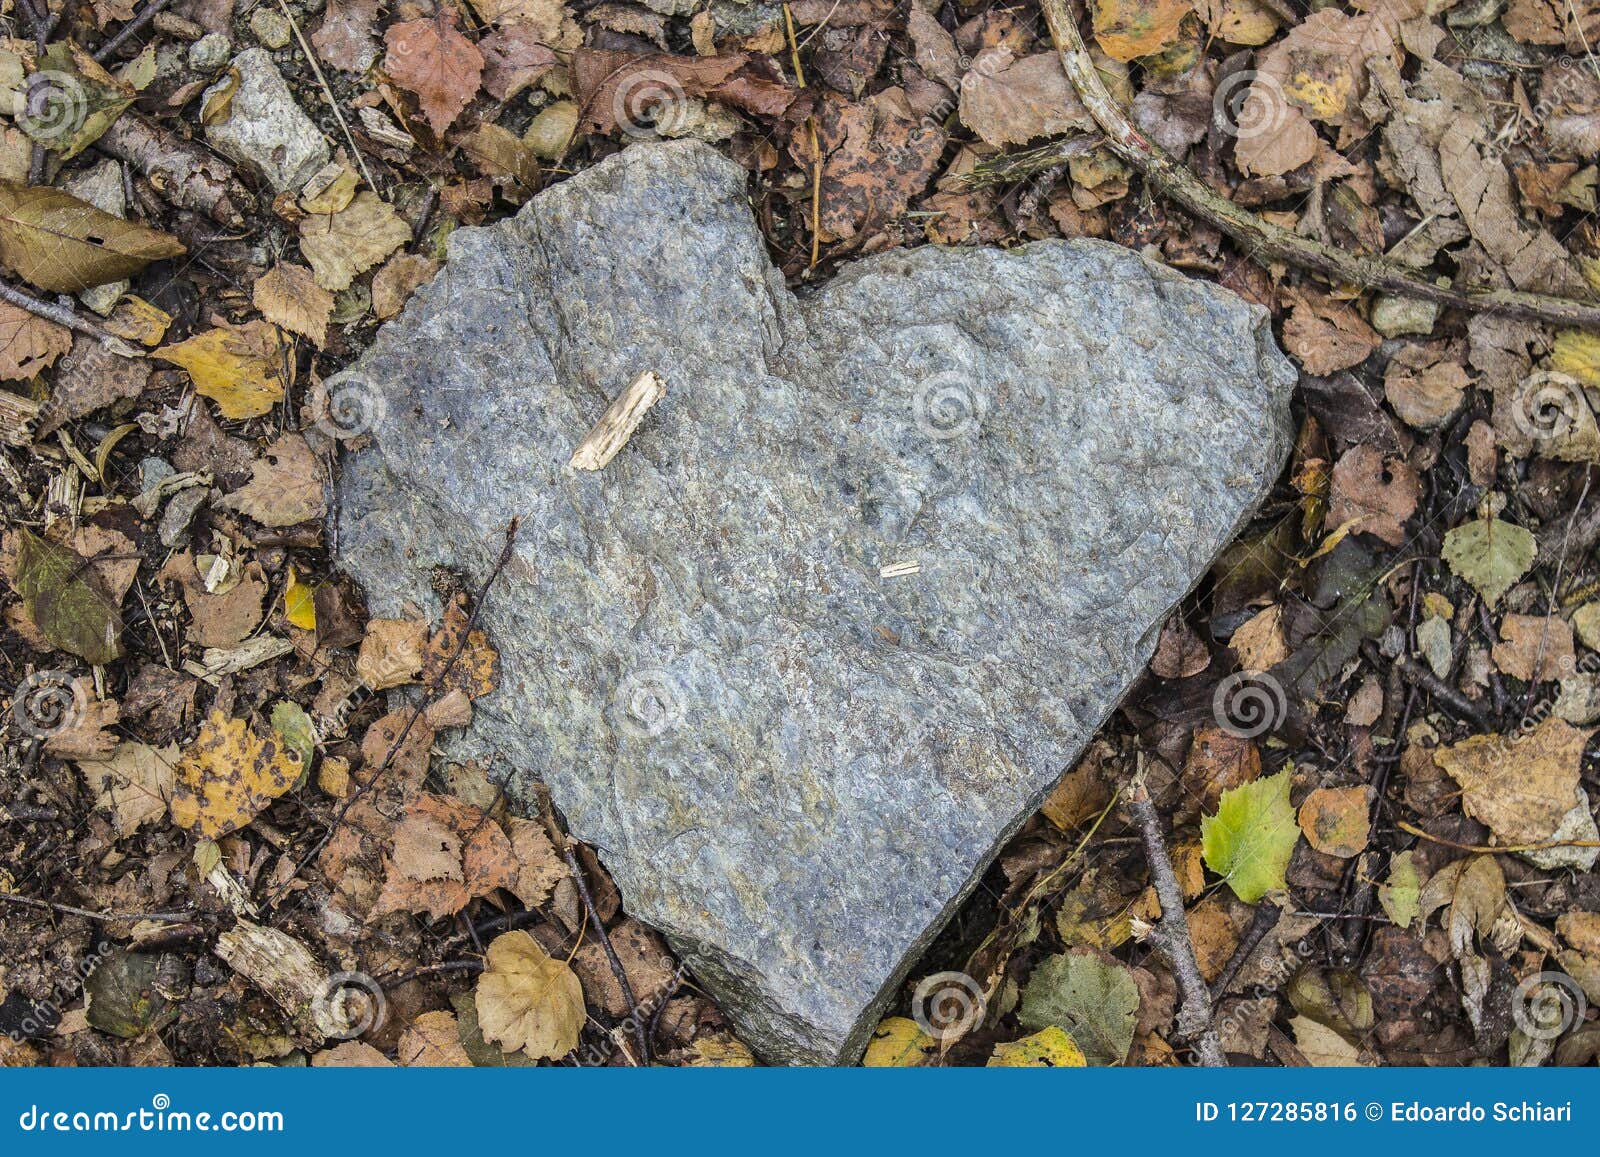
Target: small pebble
{"x": 210, "y": 52}
{"x": 270, "y": 28}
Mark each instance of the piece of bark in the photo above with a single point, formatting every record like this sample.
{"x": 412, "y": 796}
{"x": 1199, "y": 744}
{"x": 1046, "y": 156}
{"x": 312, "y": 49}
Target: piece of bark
{"x": 617, "y": 424}
{"x": 181, "y": 171}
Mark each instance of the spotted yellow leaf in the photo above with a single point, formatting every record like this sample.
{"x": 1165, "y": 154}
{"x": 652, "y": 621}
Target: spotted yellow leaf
{"x": 229, "y": 775}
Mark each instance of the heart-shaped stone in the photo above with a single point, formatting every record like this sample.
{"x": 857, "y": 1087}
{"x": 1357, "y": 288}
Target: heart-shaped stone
{"x": 860, "y": 588}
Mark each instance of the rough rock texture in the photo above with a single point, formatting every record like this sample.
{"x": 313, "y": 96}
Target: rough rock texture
{"x": 266, "y": 129}
{"x": 795, "y": 764}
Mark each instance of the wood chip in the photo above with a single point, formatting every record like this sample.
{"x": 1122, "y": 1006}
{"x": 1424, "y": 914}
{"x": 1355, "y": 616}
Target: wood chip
{"x": 617, "y": 424}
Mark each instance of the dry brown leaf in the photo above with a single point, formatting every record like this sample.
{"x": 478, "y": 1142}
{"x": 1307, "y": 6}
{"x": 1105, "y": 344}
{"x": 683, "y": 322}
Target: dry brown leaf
{"x": 539, "y": 866}
{"x": 445, "y": 853}
{"x": 228, "y": 775}
{"x": 636, "y": 91}
{"x": 133, "y": 783}
{"x": 1218, "y": 760}
{"x": 351, "y": 1054}
{"x": 1535, "y": 648}
{"x": 1379, "y": 494}
{"x": 223, "y": 617}
{"x": 287, "y": 485}
{"x": 433, "y": 1041}
{"x": 399, "y": 278}
{"x": 28, "y": 343}
{"x": 476, "y": 670}
{"x": 1425, "y": 386}
{"x": 89, "y": 377}
{"x": 550, "y": 20}
{"x": 87, "y": 733}
{"x": 340, "y": 246}
{"x": 238, "y": 367}
{"x": 877, "y": 155}
{"x": 65, "y": 245}
{"x": 527, "y": 1000}
{"x": 1572, "y": 23}
{"x": 1011, "y": 102}
{"x": 1082, "y": 792}
{"x": 514, "y": 57}
{"x": 1326, "y": 335}
{"x": 431, "y": 58}
{"x": 1180, "y": 652}
{"x": 345, "y": 39}
{"x": 289, "y": 297}
{"x": 1129, "y": 29}
{"x": 1523, "y": 787}
{"x": 1581, "y": 930}
{"x": 1259, "y": 641}
{"x": 391, "y": 652}
{"x": 1337, "y": 820}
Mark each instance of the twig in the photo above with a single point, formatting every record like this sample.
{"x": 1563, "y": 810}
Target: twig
{"x": 130, "y": 29}
{"x": 61, "y": 315}
{"x": 1171, "y": 932}
{"x": 1262, "y": 240}
{"x": 1264, "y": 920}
{"x": 1424, "y": 679}
{"x": 416, "y": 712}
{"x": 1494, "y": 849}
{"x": 69, "y": 910}
{"x": 816, "y": 148}
{"x": 327, "y": 92}
{"x": 640, "y": 1030}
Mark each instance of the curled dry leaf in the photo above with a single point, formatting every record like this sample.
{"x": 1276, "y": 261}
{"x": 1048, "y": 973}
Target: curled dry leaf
{"x": 134, "y": 783}
{"x": 445, "y": 853}
{"x": 229, "y": 775}
{"x": 1521, "y": 786}
{"x": 391, "y": 652}
{"x": 528, "y": 1001}
{"x": 61, "y": 244}
{"x": 287, "y": 485}
{"x": 341, "y": 246}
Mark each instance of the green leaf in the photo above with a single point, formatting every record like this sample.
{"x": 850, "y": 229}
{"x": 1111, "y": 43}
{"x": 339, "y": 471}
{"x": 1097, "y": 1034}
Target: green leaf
{"x": 70, "y": 101}
{"x": 1400, "y": 894}
{"x": 1049, "y": 1048}
{"x": 291, "y": 722}
{"x": 1250, "y": 839}
{"x": 1490, "y": 554}
{"x": 65, "y": 601}
{"x": 1093, "y": 1000}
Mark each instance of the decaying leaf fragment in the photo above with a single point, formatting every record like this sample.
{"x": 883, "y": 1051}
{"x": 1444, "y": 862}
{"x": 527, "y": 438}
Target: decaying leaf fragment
{"x": 238, "y": 367}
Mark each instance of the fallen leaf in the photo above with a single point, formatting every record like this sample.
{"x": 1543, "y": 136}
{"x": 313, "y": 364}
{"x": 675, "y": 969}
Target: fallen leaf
{"x": 351, "y": 1054}
{"x": 643, "y": 93}
{"x": 399, "y": 278}
{"x": 391, "y": 652}
{"x": 134, "y": 783}
{"x": 514, "y": 57}
{"x": 345, "y": 39}
{"x": 1534, "y": 648}
{"x": 64, "y": 245}
{"x": 85, "y": 726}
{"x": 1490, "y": 554}
{"x": 1322, "y": 1046}
{"x": 899, "y": 1043}
{"x": 299, "y": 603}
{"x": 1250, "y": 839}
{"x": 718, "y": 1051}
{"x": 1399, "y": 894}
{"x": 433, "y": 1041}
{"x": 28, "y": 343}
{"x": 1093, "y": 1000}
{"x": 1010, "y": 102}
{"x": 476, "y": 666}
{"x": 287, "y": 485}
{"x": 528, "y": 1001}
{"x": 445, "y": 853}
{"x": 289, "y": 297}
{"x": 877, "y": 154}
{"x": 340, "y": 246}
{"x": 539, "y": 867}
{"x": 1521, "y": 786}
{"x": 1337, "y": 820}
{"x": 1180, "y": 652}
{"x": 430, "y": 57}
{"x": 1325, "y": 335}
{"x": 1424, "y": 387}
{"x": 1049, "y": 1048}
{"x": 66, "y": 598}
{"x": 229, "y": 775}
{"x": 1129, "y": 29}
{"x": 1259, "y": 641}
{"x": 238, "y": 367}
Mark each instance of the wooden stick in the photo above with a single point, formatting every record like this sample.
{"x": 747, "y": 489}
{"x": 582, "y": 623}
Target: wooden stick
{"x": 1261, "y": 240}
{"x": 617, "y": 424}
{"x": 61, "y": 315}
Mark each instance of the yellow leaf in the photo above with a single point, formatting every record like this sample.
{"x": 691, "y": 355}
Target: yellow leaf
{"x": 527, "y": 1000}
{"x": 135, "y": 319}
{"x": 719, "y": 1052}
{"x": 1127, "y": 29}
{"x": 1577, "y": 353}
{"x": 239, "y": 368}
{"x": 65, "y": 245}
{"x": 898, "y": 1042}
{"x": 1049, "y": 1048}
{"x": 299, "y": 605}
{"x": 229, "y": 775}
{"x": 342, "y": 245}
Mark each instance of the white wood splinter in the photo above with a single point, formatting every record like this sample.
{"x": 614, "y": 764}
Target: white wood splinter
{"x": 617, "y": 424}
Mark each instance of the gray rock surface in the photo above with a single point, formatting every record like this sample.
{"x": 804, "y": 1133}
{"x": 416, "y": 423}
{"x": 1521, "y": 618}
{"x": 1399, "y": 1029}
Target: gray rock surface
{"x": 266, "y": 130}
{"x": 795, "y": 764}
